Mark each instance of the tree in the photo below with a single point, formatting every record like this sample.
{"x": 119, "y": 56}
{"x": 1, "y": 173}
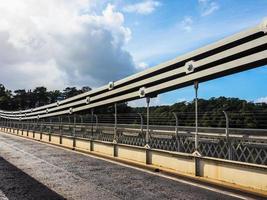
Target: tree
{"x": 70, "y": 92}
{"x": 5, "y": 98}
{"x": 40, "y": 97}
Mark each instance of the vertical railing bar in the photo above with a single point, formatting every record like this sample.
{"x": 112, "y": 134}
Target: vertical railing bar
{"x": 147, "y": 122}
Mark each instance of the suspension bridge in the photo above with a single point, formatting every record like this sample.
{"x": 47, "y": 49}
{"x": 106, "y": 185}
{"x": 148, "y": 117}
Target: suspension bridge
{"x": 132, "y": 155}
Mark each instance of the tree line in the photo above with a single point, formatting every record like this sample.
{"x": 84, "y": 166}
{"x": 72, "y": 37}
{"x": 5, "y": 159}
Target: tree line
{"x": 24, "y": 99}
{"x": 242, "y": 113}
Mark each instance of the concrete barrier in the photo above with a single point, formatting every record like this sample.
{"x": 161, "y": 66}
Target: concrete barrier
{"x": 37, "y": 136}
{"x": 103, "y": 148}
{"x": 136, "y": 154}
{"x": 82, "y": 144}
{"x": 238, "y": 173}
{"x": 183, "y": 163}
{"x": 45, "y": 137}
{"x": 243, "y": 176}
{"x": 30, "y": 134}
{"x": 67, "y": 141}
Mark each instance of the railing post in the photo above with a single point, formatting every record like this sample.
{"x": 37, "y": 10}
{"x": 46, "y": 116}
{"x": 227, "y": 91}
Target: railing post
{"x": 147, "y": 121}
{"x": 74, "y": 131}
{"x": 115, "y": 139}
{"x": 41, "y": 130}
{"x": 50, "y": 129}
{"x": 74, "y": 126}
{"x": 177, "y": 130}
{"x": 37, "y": 122}
{"x": 92, "y": 120}
{"x": 82, "y": 126}
{"x": 34, "y": 125}
{"x": 96, "y": 122}
{"x": 196, "y": 118}
{"x": 230, "y": 153}
{"x": 176, "y": 124}
{"x": 141, "y": 122}
{"x": 23, "y": 126}
{"x": 60, "y": 130}
{"x": 50, "y": 126}
{"x": 29, "y": 126}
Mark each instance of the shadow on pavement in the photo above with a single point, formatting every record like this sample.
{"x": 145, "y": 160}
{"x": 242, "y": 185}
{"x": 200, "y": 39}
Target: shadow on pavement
{"x": 16, "y": 184}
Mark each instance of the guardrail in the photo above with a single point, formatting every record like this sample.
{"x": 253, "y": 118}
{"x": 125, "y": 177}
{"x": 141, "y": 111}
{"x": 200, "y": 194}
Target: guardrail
{"x": 239, "y": 52}
{"x": 238, "y": 147}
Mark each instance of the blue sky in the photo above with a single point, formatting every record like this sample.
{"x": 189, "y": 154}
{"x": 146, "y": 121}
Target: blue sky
{"x": 177, "y": 27}
{"x": 61, "y": 43}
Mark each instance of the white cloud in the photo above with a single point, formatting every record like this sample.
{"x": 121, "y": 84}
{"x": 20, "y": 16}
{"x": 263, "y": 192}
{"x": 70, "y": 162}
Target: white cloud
{"x": 187, "y": 24}
{"x": 146, "y": 7}
{"x": 56, "y": 43}
{"x": 142, "y": 66}
{"x": 207, "y": 7}
{"x": 261, "y": 100}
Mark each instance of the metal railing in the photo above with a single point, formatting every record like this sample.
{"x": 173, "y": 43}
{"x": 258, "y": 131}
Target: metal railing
{"x": 239, "y": 144}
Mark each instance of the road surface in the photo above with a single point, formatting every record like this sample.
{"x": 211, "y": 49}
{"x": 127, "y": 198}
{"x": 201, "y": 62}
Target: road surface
{"x": 33, "y": 170}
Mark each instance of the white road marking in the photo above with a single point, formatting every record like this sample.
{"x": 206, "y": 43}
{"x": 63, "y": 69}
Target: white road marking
{"x": 210, "y": 188}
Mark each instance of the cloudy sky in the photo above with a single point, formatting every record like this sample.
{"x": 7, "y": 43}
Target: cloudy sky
{"x": 60, "y": 43}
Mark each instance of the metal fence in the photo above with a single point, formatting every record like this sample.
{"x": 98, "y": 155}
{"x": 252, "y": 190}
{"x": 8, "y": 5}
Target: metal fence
{"x": 170, "y": 132}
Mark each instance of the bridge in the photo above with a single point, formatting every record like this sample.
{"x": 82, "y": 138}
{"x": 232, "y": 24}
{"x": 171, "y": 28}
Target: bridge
{"x": 145, "y": 152}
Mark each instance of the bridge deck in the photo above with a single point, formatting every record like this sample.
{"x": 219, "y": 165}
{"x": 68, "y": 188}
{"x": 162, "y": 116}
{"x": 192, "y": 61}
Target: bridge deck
{"x": 31, "y": 170}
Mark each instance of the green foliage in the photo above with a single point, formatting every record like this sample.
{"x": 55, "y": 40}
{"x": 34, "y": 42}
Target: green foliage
{"x": 241, "y": 113}
{"x": 21, "y": 99}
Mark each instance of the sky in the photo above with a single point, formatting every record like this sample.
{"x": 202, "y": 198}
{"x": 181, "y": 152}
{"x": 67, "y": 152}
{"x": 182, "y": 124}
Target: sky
{"x": 61, "y": 43}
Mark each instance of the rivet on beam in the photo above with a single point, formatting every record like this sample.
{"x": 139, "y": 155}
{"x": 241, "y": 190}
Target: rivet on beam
{"x": 70, "y": 111}
{"x": 111, "y": 85}
{"x": 142, "y": 92}
{"x": 190, "y": 67}
{"x": 47, "y": 111}
{"x": 87, "y": 100}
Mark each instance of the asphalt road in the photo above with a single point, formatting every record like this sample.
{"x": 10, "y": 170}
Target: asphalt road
{"x": 32, "y": 170}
